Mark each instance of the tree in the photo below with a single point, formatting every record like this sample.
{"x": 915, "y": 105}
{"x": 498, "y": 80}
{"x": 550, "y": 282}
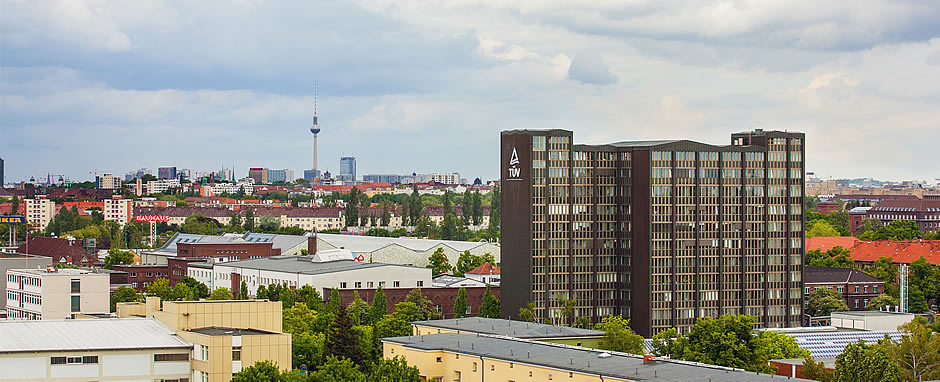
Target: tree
{"x": 438, "y": 262}
{"x": 182, "y": 292}
{"x": 199, "y": 289}
{"x": 424, "y": 304}
{"x": 308, "y": 349}
{"x": 359, "y": 310}
{"x": 495, "y": 210}
{"x": 725, "y": 341}
{"x": 467, "y": 262}
{"x": 243, "y": 291}
{"x": 769, "y": 345}
{"x": 490, "y": 306}
{"x": 123, "y": 294}
{"x": 860, "y": 362}
{"x": 416, "y": 205}
{"x": 352, "y": 208}
{"x": 563, "y": 316}
{"x": 298, "y": 318}
{"x": 118, "y": 257}
{"x": 249, "y": 219}
{"x": 618, "y": 336}
{"x": 341, "y": 339}
{"x": 836, "y": 257}
{"x": 669, "y": 343}
{"x": 898, "y": 230}
{"x": 460, "y": 303}
{"x": 15, "y": 205}
{"x": 868, "y": 225}
{"x": 394, "y": 370}
{"x": 307, "y": 294}
{"x": 221, "y": 294}
{"x": 823, "y": 301}
{"x": 393, "y": 325}
{"x": 264, "y": 371}
{"x": 816, "y": 370}
{"x": 883, "y": 269}
{"x": 477, "y": 208}
{"x": 269, "y": 224}
{"x": 379, "y": 306}
{"x": 235, "y": 224}
{"x": 160, "y": 288}
{"x": 338, "y": 369}
{"x": 917, "y": 352}
{"x": 386, "y": 215}
{"x": 881, "y": 301}
{"x": 821, "y": 228}
{"x": 527, "y": 313}
{"x": 201, "y": 225}
{"x": 335, "y": 305}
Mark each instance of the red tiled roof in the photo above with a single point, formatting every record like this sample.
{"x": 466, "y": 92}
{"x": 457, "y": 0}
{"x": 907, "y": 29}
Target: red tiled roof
{"x": 58, "y": 249}
{"x": 825, "y": 243}
{"x": 485, "y": 269}
{"x": 901, "y": 252}
{"x": 909, "y": 205}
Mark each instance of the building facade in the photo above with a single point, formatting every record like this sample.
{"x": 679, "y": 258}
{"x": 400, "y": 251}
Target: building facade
{"x": 107, "y": 182}
{"x": 926, "y": 213}
{"x": 39, "y": 212}
{"x": 56, "y": 294}
{"x": 166, "y": 172}
{"x": 160, "y": 186}
{"x": 118, "y": 209}
{"x": 18, "y": 261}
{"x": 662, "y": 232}
{"x": 452, "y": 178}
{"x": 284, "y": 175}
{"x": 855, "y": 286}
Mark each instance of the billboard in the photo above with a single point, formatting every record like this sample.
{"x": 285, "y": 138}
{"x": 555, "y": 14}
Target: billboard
{"x": 152, "y": 218}
{"x": 12, "y": 220}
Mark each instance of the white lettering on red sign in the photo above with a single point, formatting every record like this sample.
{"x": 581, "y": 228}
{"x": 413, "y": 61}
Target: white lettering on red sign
{"x": 152, "y": 218}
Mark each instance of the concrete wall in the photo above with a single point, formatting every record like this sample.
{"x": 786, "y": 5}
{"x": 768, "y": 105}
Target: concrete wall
{"x": 113, "y": 365}
{"x": 17, "y": 261}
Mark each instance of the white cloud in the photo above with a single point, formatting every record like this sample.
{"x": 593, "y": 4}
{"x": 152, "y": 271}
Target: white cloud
{"x": 591, "y": 69}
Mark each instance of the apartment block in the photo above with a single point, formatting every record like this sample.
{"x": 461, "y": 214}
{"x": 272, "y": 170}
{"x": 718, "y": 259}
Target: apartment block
{"x": 107, "y": 182}
{"x": 56, "y": 294}
{"x": 118, "y": 209}
{"x": 226, "y": 335}
{"x": 39, "y": 212}
{"x": 18, "y": 261}
{"x": 663, "y": 232}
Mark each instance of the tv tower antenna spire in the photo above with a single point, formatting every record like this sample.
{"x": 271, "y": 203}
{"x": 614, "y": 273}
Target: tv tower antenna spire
{"x": 315, "y": 129}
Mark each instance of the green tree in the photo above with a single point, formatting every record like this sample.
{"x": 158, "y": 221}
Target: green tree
{"x": 527, "y": 313}
{"x": 199, "y": 224}
{"x": 868, "y": 225}
{"x": 425, "y": 305}
{"x": 249, "y": 220}
{"x": 358, "y": 310}
{"x": 338, "y": 369}
{"x": 118, "y": 257}
{"x": 840, "y": 221}
{"x": 883, "y": 269}
{"x": 308, "y": 349}
{"x": 235, "y": 224}
{"x": 836, "y": 257}
{"x": 269, "y": 224}
{"x": 823, "y": 301}
{"x": 816, "y": 370}
{"x": 618, "y": 336}
{"x": 379, "y": 306}
{"x": 416, "y": 205}
{"x": 335, "y": 304}
{"x": 394, "y": 370}
{"x": 393, "y": 325}
{"x": 243, "y": 291}
{"x": 821, "y": 228}
{"x": 261, "y": 371}
{"x": 860, "y": 362}
{"x": 352, "y": 208}
{"x": 477, "y": 208}
{"x": 386, "y": 215}
{"x": 490, "y": 306}
{"x": 669, "y": 343}
{"x": 298, "y": 318}
{"x": 563, "y": 316}
{"x": 769, "y": 345}
{"x": 182, "y": 292}
{"x": 123, "y": 294}
{"x": 467, "y": 262}
{"x": 495, "y": 213}
{"x": 199, "y": 289}
{"x": 460, "y": 303}
{"x": 898, "y": 230}
{"x": 341, "y": 339}
{"x": 438, "y": 262}
{"x": 307, "y": 294}
{"x": 160, "y": 288}
{"x": 725, "y": 341}
{"x": 917, "y": 352}
{"x": 221, "y": 294}
{"x": 15, "y": 205}
{"x": 881, "y": 301}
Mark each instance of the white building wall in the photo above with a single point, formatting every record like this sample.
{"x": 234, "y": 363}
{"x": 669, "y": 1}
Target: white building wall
{"x": 407, "y": 277}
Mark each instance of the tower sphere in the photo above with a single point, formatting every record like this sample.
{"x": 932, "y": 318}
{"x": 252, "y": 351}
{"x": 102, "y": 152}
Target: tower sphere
{"x": 315, "y": 128}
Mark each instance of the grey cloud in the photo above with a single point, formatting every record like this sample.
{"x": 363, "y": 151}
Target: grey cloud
{"x": 591, "y": 69}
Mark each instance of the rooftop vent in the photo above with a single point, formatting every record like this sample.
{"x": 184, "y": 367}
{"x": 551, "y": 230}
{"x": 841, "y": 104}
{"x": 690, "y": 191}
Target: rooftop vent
{"x": 604, "y": 355}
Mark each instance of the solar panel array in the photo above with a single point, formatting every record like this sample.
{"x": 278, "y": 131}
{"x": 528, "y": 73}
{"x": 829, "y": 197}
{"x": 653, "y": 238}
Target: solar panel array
{"x": 831, "y": 344}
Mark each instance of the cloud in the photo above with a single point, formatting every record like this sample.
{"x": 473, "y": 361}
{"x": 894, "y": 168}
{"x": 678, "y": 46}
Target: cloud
{"x": 591, "y": 69}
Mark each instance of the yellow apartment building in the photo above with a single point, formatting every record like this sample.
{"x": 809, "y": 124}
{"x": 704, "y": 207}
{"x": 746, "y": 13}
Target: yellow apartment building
{"x": 509, "y": 328}
{"x": 227, "y": 335}
{"x": 453, "y": 357}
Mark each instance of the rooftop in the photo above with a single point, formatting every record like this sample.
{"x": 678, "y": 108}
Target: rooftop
{"x": 305, "y": 265}
{"x": 86, "y": 335}
{"x": 485, "y": 269}
{"x": 574, "y": 359}
{"x": 59, "y": 271}
{"x": 216, "y": 331}
{"x": 827, "y": 275}
{"x": 356, "y": 243}
{"x": 509, "y": 328}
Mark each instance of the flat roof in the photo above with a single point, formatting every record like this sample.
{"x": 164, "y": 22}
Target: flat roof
{"x": 86, "y": 335}
{"x": 59, "y": 271}
{"x": 217, "y": 331}
{"x": 304, "y": 265}
{"x": 358, "y": 243}
{"x": 575, "y": 358}
{"x": 872, "y": 313}
{"x": 509, "y": 328}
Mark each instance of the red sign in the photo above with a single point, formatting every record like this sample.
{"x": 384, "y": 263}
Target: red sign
{"x": 152, "y": 218}
{"x": 360, "y": 258}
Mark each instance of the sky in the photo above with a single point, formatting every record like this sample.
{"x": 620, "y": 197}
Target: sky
{"x": 426, "y": 86}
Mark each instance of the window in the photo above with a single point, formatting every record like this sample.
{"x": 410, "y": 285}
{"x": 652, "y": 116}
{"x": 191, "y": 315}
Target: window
{"x": 866, "y": 289}
{"x": 90, "y": 359}
{"x": 73, "y": 360}
{"x": 420, "y": 283}
{"x": 856, "y": 291}
{"x": 171, "y": 357}
{"x": 474, "y": 367}
{"x": 133, "y": 274}
{"x": 856, "y": 303}
{"x": 236, "y": 353}
{"x": 358, "y": 284}
{"x": 382, "y": 284}
{"x": 396, "y": 284}
{"x": 370, "y": 284}
{"x": 440, "y": 359}
{"x": 149, "y": 274}
{"x": 342, "y": 285}
{"x": 456, "y": 376}
{"x": 76, "y": 303}
{"x": 57, "y": 360}
{"x": 76, "y": 286}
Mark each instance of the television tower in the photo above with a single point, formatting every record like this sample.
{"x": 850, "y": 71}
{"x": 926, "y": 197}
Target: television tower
{"x": 315, "y": 128}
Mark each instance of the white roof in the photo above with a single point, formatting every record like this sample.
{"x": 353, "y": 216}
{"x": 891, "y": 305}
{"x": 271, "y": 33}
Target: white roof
{"x": 356, "y": 243}
{"x": 86, "y": 335}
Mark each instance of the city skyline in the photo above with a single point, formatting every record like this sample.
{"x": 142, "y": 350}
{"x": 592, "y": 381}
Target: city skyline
{"x": 406, "y": 79}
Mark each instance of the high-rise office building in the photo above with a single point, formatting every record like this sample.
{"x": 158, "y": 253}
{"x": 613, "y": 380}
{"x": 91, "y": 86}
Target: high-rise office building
{"x": 260, "y": 175}
{"x": 285, "y": 175}
{"x": 166, "y": 172}
{"x": 347, "y": 169}
{"x": 107, "y": 182}
{"x": 662, "y": 232}
{"x": 2, "y": 179}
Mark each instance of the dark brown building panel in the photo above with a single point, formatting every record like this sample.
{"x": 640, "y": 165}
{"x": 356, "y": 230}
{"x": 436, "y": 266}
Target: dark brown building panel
{"x": 442, "y": 299}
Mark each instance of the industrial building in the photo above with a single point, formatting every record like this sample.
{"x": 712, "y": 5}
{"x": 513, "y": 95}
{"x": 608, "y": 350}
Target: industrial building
{"x": 663, "y": 232}
{"x": 56, "y": 294}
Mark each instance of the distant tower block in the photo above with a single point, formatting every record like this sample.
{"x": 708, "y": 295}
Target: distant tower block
{"x": 315, "y": 128}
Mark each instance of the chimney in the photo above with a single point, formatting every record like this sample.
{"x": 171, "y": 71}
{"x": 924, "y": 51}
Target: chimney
{"x": 312, "y": 245}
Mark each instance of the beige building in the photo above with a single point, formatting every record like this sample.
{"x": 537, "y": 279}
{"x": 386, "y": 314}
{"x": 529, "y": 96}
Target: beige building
{"x": 118, "y": 209}
{"x": 56, "y": 294}
{"x": 92, "y": 350}
{"x": 227, "y": 335}
{"x": 39, "y": 212}
{"x": 108, "y": 182}
{"x": 452, "y": 357}
{"x": 510, "y": 328}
